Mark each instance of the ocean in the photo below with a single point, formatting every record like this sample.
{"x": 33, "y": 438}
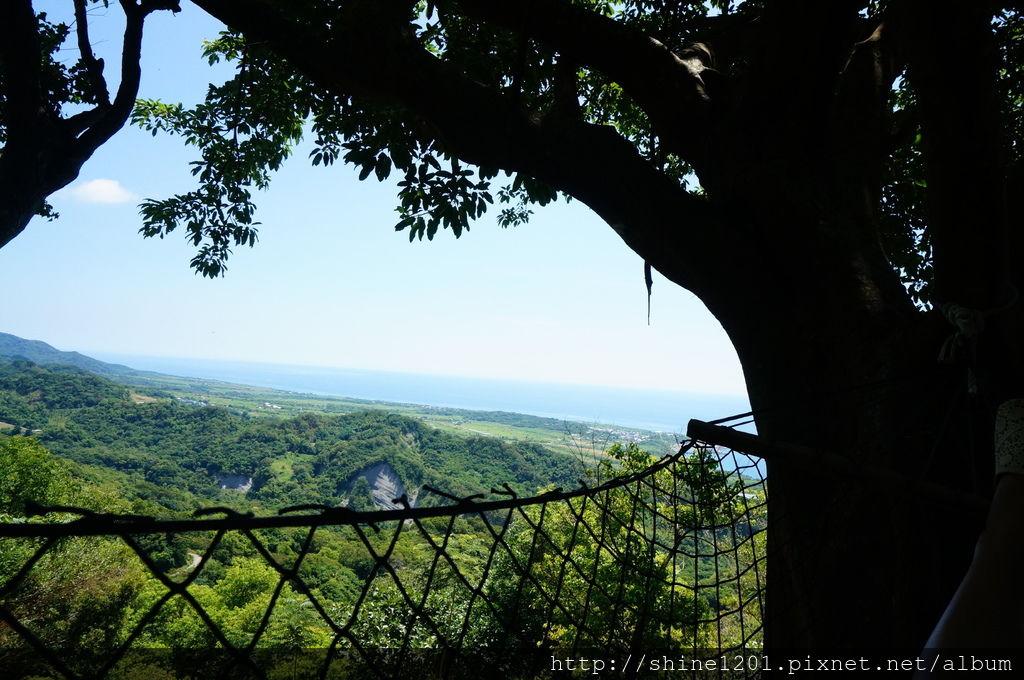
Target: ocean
{"x": 659, "y": 410}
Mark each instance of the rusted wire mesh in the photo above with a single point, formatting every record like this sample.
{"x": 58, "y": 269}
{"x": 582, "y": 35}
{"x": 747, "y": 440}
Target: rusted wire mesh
{"x": 665, "y": 563}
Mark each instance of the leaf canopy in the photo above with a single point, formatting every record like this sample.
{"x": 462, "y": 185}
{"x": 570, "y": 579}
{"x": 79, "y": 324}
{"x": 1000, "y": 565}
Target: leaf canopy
{"x": 248, "y": 126}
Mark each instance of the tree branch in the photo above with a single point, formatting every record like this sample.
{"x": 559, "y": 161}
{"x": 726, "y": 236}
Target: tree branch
{"x": 793, "y": 74}
{"x": 93, "y": 66}
{"x": 20, "y": 56}
{"x": 958, "y": 99}
{"x": 114, "y": 116}
{"x": 953, "y": 70}
{"x": 44, "y": 152}
{"x": 19, "y": 47}
{"x": 670, "y": 87}
{"x": 367, "y": 53}
{"x": 859, "y": 136}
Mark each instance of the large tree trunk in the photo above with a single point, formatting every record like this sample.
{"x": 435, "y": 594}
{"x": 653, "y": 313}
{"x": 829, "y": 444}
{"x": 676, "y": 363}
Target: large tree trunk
{"x": 783, "y": 249}
{"x": 835, "y": 356}
{"x": 850, "y": 563}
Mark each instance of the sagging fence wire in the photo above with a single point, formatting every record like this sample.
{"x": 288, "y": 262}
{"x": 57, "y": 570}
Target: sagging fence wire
{"x": 669, "y": 556}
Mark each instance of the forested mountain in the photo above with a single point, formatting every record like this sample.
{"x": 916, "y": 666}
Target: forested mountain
{"x": 11, "y": 346}
{"x": 69, "y": 437}
{"x": 175, "y": 453}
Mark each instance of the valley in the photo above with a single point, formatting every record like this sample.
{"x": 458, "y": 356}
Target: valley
{"x": 114, "y": 441}
{"x": 171, "y": 444}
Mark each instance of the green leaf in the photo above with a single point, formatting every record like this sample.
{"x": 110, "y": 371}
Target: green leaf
{"x": 382, "y": 167}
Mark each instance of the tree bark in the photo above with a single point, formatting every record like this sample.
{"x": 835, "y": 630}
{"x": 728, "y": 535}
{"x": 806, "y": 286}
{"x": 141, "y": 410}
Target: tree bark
{"x": 784, "y": 251}
{"x": 44, "y": 152}
{"x": 783, "y": 248}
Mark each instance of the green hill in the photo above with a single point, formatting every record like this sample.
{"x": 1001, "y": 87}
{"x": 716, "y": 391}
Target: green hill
{"x": 575, "y": 439}
{"x": 39, "y": 352}
{"x": 177, "y": 454}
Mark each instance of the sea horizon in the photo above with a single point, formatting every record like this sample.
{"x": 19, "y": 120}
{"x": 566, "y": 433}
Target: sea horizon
{"x": 647, "y": 409}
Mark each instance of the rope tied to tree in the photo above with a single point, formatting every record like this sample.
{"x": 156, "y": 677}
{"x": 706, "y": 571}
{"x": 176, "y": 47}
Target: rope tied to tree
{"x": 963, "y": 342}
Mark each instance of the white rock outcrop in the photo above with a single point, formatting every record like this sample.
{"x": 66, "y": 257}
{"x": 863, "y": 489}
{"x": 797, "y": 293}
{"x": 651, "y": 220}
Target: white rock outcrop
{"x": 385, "y": 485}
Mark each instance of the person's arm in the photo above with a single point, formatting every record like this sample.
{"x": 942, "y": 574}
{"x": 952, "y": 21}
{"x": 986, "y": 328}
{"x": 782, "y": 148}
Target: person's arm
{"x": 987, "y": 609}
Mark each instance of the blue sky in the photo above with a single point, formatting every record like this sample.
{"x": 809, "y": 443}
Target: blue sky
{"x": 330, "y": 283}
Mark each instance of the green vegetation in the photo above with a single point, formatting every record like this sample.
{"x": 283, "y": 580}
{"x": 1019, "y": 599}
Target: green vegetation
{"x": 87, "y": 595}
{"x": 586, "y": 440}
{"x": 573, "y": 438}
{"x": 665, "y": 582}
{"x": 101, "y": 446}
{"x": 39, "y": 352}
{"x": 885, "y": 187}
{"x": 171, "y": 453}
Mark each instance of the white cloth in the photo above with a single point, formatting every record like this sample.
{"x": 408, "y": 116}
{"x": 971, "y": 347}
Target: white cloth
{"x": 1009, "y": 437}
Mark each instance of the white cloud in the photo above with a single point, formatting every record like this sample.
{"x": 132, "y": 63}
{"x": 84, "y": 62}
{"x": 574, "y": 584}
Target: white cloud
{"x": 102, "y": 191}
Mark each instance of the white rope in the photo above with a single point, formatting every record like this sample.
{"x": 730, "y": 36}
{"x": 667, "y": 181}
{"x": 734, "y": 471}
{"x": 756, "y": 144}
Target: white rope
{"x": 1009, "y": 437}
{"x": 969, "y": 324}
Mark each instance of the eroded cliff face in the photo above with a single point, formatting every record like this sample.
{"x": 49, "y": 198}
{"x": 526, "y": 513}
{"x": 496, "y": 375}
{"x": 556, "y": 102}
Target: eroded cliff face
{"x": 235, "y": 482}
{"x": 385, "y": 485}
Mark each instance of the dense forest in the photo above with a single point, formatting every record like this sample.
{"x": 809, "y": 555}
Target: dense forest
{"x": 72, "y": 439}
{"x": 172, "y": 453}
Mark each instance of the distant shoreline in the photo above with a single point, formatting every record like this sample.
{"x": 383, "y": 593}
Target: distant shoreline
{"x": 657, "y": 410}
